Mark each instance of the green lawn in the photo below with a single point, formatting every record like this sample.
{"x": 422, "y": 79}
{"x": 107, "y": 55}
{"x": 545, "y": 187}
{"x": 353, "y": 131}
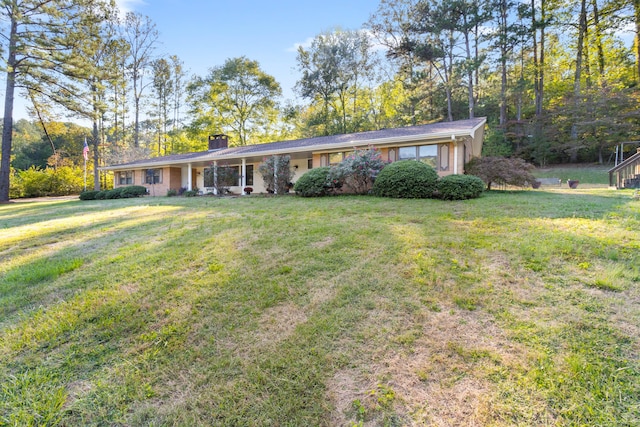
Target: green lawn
{"x": 586, "y": 174}
{"x": 518, "y": 308}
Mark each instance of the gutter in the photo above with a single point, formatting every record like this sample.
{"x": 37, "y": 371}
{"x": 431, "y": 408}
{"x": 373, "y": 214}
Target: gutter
{"x": 313, "y": 148}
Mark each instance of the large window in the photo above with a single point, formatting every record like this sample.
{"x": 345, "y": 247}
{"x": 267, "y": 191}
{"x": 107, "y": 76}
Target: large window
{"x": 153, "y": 176}
{"x": 425, "y": 153}
{"x": 228, "y": 176}
{"x": 249, "y": 176}
{"x": 125, "y": 178}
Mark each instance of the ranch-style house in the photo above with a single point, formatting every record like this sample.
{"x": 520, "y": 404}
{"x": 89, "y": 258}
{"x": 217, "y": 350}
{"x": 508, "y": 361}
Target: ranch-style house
{"x": 446, "y": 146}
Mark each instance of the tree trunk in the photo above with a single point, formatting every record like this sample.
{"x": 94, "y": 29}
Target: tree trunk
{"x": 636, "y": 7}
{"x": 538, "y": 57}
{"x": 596, "y": 24}
{"x": 7, "y": 130}
{"x": 470, "y": 73}
{"x": 577, "y": 90}
{"x": 96, "y": 172}
{"x": 503, "y": 62}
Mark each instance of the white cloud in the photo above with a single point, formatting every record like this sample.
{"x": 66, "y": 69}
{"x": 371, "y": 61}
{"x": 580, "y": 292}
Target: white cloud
{"x": 375, "y": 44}
{"x": 305, "y": 45}
{"x": 128, "y": 5}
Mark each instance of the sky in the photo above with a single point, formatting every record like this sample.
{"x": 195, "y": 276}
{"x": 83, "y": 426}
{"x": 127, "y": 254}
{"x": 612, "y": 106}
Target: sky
{"x": 204, "y": 34}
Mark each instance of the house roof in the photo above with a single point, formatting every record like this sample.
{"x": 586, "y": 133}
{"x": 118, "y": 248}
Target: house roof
{"x": 404, "y": 135}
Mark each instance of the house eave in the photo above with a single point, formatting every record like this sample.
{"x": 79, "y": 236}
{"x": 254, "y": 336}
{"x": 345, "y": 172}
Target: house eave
{"x": 207, "y": 157}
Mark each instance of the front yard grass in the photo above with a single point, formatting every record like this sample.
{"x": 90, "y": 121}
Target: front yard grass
{"x": 518, "y": 308}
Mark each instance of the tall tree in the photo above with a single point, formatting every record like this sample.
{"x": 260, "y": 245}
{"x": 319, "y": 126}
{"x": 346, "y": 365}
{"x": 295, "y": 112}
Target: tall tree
{"x": 163, "y": 89}
{"x": 391, "y": 27}
{"x": 142, "y": 37}
{"x": 335, "y": 69}
{"x": 97, "y": 36}
{"x": 508, "y": 33}
{"x": 178, "y": 91}
{"x": 238, "y": 98}
{"x": 118, "y": 89}
{"x": 37, "y": 46}
{"x": 538, "y": 27}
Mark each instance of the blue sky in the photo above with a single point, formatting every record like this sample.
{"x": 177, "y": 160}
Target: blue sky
{"x": 205, "y": 33}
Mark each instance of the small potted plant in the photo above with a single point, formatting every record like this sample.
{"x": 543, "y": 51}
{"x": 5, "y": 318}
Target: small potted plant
{"x": 247, "y": 190}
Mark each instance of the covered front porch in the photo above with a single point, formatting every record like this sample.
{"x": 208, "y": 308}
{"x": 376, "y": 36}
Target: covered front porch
{"x": 194, "y": 176}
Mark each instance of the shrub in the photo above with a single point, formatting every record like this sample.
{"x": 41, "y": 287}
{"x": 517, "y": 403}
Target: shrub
{"x": 89, "y": 194}
{"x": 172, "y": 192}
{"x": 116, "y": 193}
{"x": 460, "y": 187}
{"x": 501, "y": 171}
{"x": 276, "y": 173}
{"x": 35, "y": 182}
{"x": 406, "y": 179}
{"x": 314, "y": 183}
{"x": 15, "y": 184}
{"x": 133, "y": 191}
{"x": 190, "y": 193}
{"x": 359, "y": 169}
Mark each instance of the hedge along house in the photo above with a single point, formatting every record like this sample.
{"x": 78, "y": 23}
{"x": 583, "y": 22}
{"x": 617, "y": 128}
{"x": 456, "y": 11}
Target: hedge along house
{"x": 446, "y": 146}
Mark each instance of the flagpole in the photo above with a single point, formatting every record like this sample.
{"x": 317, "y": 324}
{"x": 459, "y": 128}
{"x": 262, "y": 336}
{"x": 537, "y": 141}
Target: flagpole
{"x": 85, "y": 174}
{"x": 85, "y": 155}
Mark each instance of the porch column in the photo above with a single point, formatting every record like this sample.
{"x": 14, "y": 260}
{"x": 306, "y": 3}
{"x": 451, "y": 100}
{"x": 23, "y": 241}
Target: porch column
{"x": 215, "y": 177}
{"x": 275, "y": 174}
{"x": 455, "y": 155}
{"x": 189, "y": 178}
{"x": 243, "y": 175}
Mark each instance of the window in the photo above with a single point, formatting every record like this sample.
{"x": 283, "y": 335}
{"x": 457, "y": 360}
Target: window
{"x": 125, "y": 178}
{"x": 228, "y": 176}
{"x": 208, "y": 177}
{"x": 335, "y": 158}
{"x": 425, "y": 153}
{"x": 310, "y": 164}
{"x": 153, "y": 176}
{"x": 249, "y": 177}
{"x": 428, "y": 154}
{"x": 407, "y": 153}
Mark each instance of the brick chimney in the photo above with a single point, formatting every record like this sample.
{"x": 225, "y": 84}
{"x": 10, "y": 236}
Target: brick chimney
{"x": 218, "y": 142}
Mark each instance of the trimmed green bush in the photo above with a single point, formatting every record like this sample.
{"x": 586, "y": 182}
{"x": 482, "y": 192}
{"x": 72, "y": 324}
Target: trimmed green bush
{"x": 133, "y": 191}
{"x": 460, "y": 187}
{"x": 190, "y": 193}
{"x": 89, "y": 195}
{"x": 116, "y": 193}
{"x": 406, "y": 179}
{"x": 314, "y": 183}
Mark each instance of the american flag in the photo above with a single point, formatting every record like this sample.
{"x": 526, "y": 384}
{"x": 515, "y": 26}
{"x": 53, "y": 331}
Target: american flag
{"x": 85, "y": 150}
